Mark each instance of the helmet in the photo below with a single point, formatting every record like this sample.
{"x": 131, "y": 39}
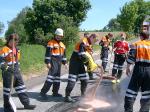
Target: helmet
{"x": 59, "y": 32}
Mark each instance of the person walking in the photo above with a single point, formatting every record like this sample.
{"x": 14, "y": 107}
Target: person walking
{"x": 104, "y": 43}
{"x": 76, "y": 67}
{"x": 55, "y": 56}
{"x": 9, "y": 61}
{"x": 121, "y": 48}
{"x": 140, "y": 79}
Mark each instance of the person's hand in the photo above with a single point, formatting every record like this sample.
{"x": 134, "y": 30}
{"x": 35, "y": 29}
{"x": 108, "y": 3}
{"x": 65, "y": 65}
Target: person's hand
{"x": 49, "y": 66}
{"x": 128, "y": 71}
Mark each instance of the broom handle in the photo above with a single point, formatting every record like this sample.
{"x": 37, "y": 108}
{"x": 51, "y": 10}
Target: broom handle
{"x": 99, "y": 81}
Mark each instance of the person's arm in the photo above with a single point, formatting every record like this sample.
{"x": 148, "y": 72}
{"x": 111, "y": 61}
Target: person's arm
{"x": 64, "y": 59}
{"x": 48, "y": 55}
{"x": 130, "y": 59}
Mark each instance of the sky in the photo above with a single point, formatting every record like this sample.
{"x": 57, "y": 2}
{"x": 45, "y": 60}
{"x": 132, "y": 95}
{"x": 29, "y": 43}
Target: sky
{"x": 97, "y": 17}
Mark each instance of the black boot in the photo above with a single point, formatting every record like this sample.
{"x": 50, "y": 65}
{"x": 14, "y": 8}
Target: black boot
{"x": 29, "y": 107}
{"x": 57, "y": 95}
{"x": 43, "y": 95}
{"x": 69, "y": 99}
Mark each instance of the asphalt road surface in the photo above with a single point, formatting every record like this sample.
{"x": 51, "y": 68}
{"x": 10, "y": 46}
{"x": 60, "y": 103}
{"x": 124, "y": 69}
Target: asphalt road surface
{"x": 109, "y": 97}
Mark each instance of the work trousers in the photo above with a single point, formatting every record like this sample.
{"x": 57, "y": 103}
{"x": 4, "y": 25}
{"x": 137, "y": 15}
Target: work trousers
{"x": 118, "y": 65}
{"x": 76, "y": 71}
{"x": 104, "y": 57}
{"x": 53, "y": 77}
{"x": 18, "y": 84}
{"x": 140, "y": 80}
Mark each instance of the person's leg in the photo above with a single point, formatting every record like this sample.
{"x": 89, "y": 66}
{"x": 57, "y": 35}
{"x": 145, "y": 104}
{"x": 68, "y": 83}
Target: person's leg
{"x": 145, "y": 90}
{"x": 115, "y": 66}
{"x": 6, "y": 91}
{"x": 121, "y": 60}
{"x": 21, "y": 89}
{"x": 132, "y": 90}
{"x": 74, "y": 66}
{"x": 56, "y": 83}
{"x": 104, "y": 57}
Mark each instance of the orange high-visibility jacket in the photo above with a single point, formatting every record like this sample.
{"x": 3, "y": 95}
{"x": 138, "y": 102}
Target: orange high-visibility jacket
{"x": 55, "y": 49}
{"x": 82, "y": 46}
{"x": 104, "y": 42}
{"x": 6, "y": 56}
{"x": 140, "y": 52}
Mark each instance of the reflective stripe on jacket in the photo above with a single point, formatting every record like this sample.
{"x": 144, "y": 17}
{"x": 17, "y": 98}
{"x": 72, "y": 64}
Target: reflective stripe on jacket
{"x": 82, "y": 46}
{"x": 140, "y": 52}
{"x": 6, "y": 55}
{"x": 55, "y": 49}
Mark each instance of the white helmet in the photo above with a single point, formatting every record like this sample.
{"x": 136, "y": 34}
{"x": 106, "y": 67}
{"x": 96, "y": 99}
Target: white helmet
{"x": 59, "y": 32}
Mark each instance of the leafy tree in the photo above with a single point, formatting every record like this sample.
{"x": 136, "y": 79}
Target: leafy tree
{"x": 113, "y": 25}
{"x": 17, "y": 26}
{"x": 128, "y": 16}
{"x": 133, "y": 14}
{"x": 143, "y": 11}
{"x": 47, "y": 15}
{"x": 1, "y": 27}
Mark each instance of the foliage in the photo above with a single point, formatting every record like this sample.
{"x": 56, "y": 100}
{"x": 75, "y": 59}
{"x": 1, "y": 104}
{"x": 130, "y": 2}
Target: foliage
{"x": 1, "y": 27}
{"x": 113, "y": 25}
{"x": 47, "y": 15}
{"x": 128, "y": 16}
{"x": 143, "y": 11}
{"x": 17, "y": 26}
{"x": 133, "y": 14}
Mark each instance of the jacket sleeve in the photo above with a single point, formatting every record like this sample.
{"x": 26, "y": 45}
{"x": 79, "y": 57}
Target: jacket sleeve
{"x": 64, "y": 59}
{"x": 2, "y": 60}
{"x": 82, "y": 53}
{"x": 48, "y": 54}
{"x": 132, "y": 55}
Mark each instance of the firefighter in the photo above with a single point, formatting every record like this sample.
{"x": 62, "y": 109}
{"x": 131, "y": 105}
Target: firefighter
{"x": 121, "y": 48}
{"x": 140, "y": 79}
{"x": 9, "y": 59}
{"x": 55, "y": 56}
{"x": 76, "y": 67}
{"x": 104, "y": 43}
{"x": 90, "y": 51}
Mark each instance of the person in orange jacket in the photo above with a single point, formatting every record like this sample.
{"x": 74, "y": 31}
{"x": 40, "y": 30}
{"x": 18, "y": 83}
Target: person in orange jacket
{"x": 76, "y": 67}
{"x": 9, "y": 61}
{"x": 104, "y": 43}
{"x": 55, "y": 56}
{"x": 139, "y": 54}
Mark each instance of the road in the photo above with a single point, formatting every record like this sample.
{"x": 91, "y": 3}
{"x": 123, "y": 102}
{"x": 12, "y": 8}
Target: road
{"x": 109, "y": 97}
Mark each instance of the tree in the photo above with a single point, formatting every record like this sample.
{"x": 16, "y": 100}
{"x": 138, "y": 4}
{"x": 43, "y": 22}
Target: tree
{"x": 17, "y": 26}
{"x": 47, "y": 15}
{"x": 113, "y": 25}
{"x": 1, "y": 27}
{"x": 128, "y": 16}
{"x": 133, "y": 14}
{"x": 143, "y": 11}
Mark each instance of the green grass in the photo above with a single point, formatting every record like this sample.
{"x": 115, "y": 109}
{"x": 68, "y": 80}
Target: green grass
{"x": 32, "y": 58}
